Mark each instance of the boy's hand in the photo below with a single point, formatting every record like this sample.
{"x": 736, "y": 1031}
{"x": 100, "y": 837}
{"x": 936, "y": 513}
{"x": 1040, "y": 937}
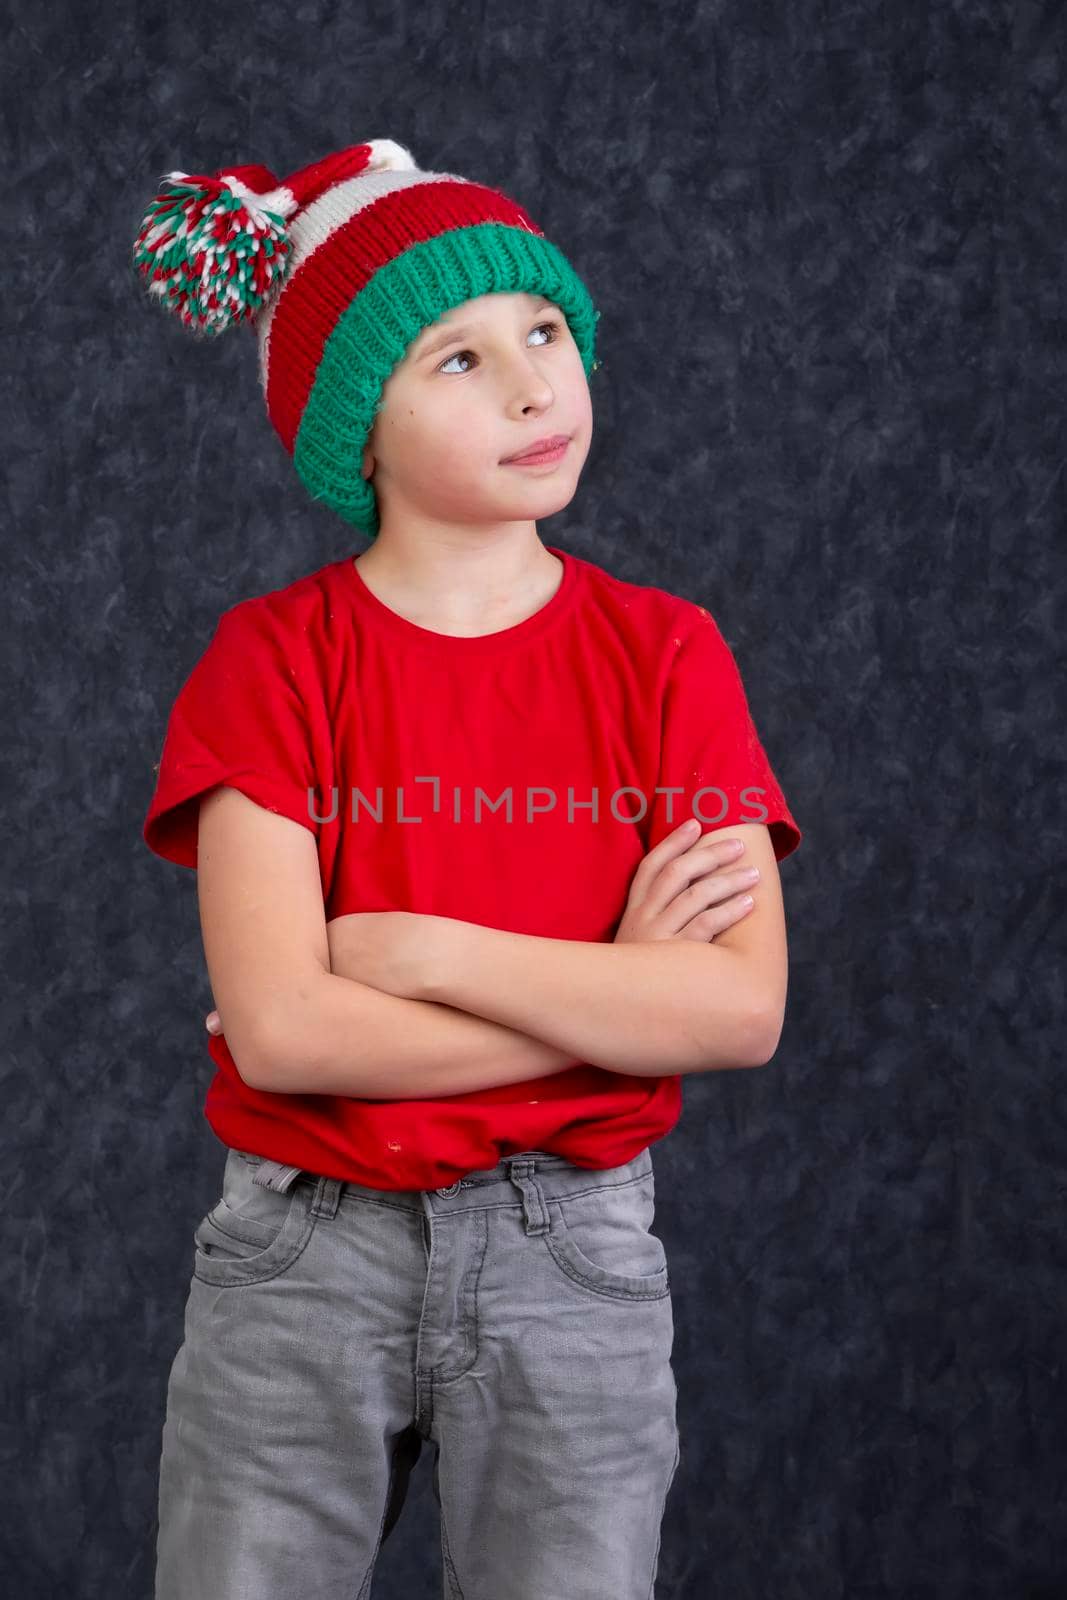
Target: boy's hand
{"x": 686, "y": 890}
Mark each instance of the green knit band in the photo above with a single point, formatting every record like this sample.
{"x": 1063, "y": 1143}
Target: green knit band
{"x": 371, "y": 337}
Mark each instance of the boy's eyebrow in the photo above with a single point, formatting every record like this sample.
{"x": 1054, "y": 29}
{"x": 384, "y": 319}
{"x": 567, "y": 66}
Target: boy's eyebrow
{"x": 449, "y": 334}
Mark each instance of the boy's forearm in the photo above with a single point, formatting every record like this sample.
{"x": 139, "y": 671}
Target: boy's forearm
{"x": 344, "y": 1037}
{"x": 646, "y": 1009}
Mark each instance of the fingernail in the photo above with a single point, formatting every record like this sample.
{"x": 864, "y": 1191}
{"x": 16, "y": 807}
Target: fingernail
{"x": 692, "y": 826}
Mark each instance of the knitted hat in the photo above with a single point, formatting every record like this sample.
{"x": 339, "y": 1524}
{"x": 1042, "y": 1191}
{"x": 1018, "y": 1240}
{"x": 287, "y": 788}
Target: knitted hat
{"x": 339, "y": 268}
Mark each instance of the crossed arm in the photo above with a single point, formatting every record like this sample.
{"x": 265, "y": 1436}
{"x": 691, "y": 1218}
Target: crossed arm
{"x": 643, "y": 1009}
{"x": 398, "y": 1005}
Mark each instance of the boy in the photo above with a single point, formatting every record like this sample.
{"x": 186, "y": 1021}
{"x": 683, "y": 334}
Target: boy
{"x": 462, "y": 946}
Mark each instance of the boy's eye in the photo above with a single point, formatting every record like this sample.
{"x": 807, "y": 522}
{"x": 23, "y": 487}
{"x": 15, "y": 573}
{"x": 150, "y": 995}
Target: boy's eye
{"x": 554, "y": 327}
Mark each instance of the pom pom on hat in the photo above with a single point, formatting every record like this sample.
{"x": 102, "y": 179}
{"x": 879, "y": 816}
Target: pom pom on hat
{"x": 212, "y": 250}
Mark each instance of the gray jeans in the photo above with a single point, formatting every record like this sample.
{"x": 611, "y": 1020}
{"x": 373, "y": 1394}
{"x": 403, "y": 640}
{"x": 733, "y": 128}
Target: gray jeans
{"x": 519, "y": 1320}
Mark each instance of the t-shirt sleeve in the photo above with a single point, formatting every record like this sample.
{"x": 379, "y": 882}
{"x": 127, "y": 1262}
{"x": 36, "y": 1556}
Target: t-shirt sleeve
{"x": 710, "y": 752}
{"x": 238, "y": 720}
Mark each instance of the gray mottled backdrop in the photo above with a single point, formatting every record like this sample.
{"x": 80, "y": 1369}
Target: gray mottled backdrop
{"x": 827, "y": 241}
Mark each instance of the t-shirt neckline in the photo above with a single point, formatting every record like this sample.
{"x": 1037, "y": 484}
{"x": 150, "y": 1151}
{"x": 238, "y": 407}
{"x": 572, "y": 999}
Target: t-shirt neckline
{"x": 502, "y": 639}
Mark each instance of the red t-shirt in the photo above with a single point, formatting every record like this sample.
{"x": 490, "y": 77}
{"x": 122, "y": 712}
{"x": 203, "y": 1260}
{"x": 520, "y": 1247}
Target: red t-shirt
{"x": 612, "y": 691}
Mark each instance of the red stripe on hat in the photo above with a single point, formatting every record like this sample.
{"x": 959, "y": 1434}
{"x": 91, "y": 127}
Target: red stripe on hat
{"x": 324, "y": 286}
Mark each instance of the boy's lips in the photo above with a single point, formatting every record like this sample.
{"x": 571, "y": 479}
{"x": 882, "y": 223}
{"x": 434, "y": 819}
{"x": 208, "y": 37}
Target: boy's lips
{"x": 540, "y": 449}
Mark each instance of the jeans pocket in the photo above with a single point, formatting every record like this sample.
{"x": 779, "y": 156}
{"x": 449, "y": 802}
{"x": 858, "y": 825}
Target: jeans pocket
{"x": 252, "y": 1233}
{"x": 603, "y": 1241}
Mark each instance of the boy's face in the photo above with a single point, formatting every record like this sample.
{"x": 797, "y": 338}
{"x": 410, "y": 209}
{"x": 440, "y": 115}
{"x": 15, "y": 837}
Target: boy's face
{"x": 450, "y": 415}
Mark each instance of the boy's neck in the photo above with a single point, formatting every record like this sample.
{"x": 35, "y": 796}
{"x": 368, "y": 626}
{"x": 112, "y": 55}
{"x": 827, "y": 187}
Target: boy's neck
{"x": 474, "y": 593}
